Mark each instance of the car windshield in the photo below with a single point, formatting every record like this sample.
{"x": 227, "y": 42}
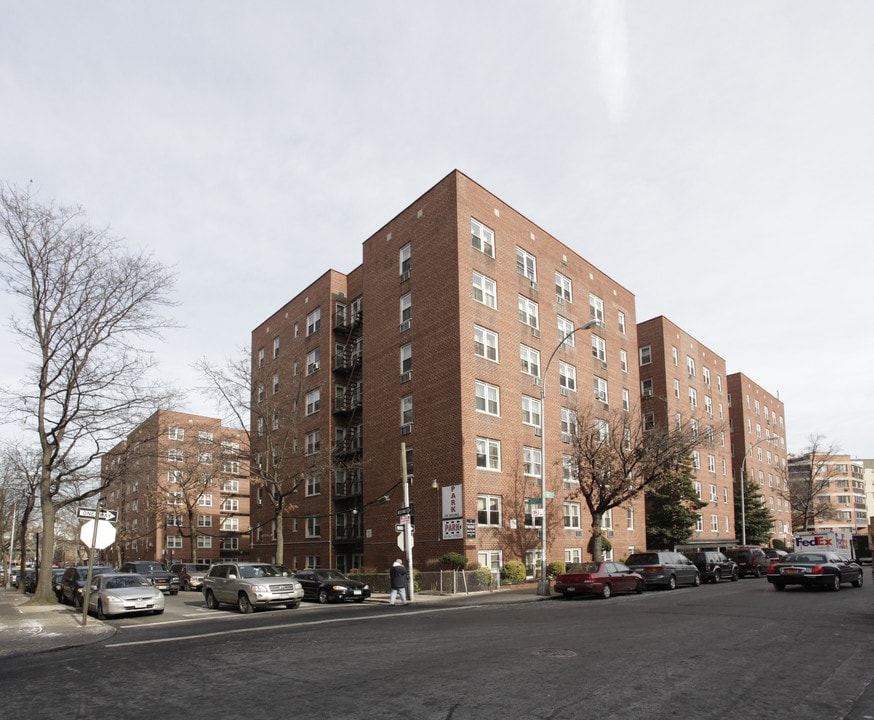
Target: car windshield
{"x": 804, "y": 558}
{"x": 254, "y": 571}
{"x": 589, "y": 567}
{"x": 331, "y": 575}
{"x": 125, "y": 581}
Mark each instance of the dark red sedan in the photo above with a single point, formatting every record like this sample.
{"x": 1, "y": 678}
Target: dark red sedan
{"x": 598, "y": 578}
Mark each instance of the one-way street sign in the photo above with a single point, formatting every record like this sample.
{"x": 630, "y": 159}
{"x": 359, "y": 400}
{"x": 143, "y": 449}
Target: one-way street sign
{"x": 91, "y": 513}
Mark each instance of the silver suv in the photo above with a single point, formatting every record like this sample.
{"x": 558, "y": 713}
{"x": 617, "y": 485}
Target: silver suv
{"x": 250, "y": 586}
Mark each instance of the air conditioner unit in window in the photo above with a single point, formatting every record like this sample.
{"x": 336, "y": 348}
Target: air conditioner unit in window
{"x": 559, "y": 299}
{"x": 406, "y": 376}
{"x": 406, "y": 428}
{"x": 565, "y": 437}
{"x": 532, "y": 284}
{"x": 405, "y": 325}
{"x": 537, "y": 432}
{"x": 405, "y": 276}
{"x": 563, "y": 390}
{"x": 535, "y": 332}
{"x": 609, "y": 533}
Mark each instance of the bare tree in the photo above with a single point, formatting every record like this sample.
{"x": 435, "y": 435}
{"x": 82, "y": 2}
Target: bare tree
{"x": 279, "y": 465}
{"x": 86, "y": 301}
{"x": 810, "y": 475}
{"x": 614, "y": 458}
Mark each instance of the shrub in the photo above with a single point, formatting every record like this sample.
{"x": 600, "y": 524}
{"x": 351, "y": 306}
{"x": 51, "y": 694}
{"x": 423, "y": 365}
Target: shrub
{"x": 482, "y": 579}
{"x": 556, "y": 568}
{"x": 514, "y": 571}
{"x": 455, "y": 560}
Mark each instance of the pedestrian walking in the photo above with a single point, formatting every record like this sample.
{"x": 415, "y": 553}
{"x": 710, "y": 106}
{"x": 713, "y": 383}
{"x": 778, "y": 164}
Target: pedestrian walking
{"x": 399, "y": 575}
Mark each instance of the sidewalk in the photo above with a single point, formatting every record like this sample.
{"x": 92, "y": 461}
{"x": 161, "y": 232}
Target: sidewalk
{"x": 26, "y": 630}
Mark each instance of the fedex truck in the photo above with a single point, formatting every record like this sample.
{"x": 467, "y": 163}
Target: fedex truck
{"x": 834, "y": 541}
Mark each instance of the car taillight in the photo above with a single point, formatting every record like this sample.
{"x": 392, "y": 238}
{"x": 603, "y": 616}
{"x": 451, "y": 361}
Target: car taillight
{"x": 817, "y": 570}
{"x": 658, "y": 568}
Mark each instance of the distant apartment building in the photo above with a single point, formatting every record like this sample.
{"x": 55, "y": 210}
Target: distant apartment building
{"x": 682, "y": 383}
{"x": 840, "y": 502}
{"x": 758, "y": 448}
{"x": 180, "y": 484}
{"x": 432, "y": 354}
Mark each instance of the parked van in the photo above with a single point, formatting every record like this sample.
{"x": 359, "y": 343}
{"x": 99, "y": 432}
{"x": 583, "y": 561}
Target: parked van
{"x": 750, "y": 559}
{"x": 665, "y": 569}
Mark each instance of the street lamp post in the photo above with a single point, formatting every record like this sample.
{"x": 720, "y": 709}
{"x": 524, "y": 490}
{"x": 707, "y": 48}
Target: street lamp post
{"x": 543, "y": 583}
{"x": 743, "y": 505}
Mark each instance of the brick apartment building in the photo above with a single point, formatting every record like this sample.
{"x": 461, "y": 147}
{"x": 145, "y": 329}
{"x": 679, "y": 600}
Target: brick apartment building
{"x": 436, "y": 343}
{"x": 683, "y": 382}
{"x": 842, "y": 492}
{"x": 758, "y": 447}
{"x": 180, "y": 484}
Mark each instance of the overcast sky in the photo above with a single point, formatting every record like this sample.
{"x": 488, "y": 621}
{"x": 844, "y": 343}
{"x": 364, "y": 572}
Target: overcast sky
{"x": 717, "y": 159}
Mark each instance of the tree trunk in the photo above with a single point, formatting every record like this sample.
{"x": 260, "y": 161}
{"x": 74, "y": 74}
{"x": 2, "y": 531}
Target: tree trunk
{"x": 44, "y": 594}
{"x": 280, "y": 532}
{"x": 597, "y": 547}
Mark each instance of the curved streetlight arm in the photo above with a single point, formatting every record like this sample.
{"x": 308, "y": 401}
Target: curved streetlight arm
{"x": 743, "y": 504}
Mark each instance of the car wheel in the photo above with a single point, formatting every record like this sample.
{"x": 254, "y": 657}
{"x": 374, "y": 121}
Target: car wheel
{"x": 758, "y": 572}
{"x": 211, "y": 602}
{"x": 672, "y": 583}
{"x": 779, "y": 586}
{"x": 186, "y": 586}
{"x": 174, "y": 592}
{"x": 323, "y": 597}
{"x": 717, "y": 576}
{"x": 293, "y": 605}
{"x": 606, "y": 591}
{"x": 639, "y": 587}
{"x": 835, "y": 583}
{"x": 244, "y": 604}
{"x": 77, "y": 601}
{"x": 734, "y": 575}
{"x": 100, "y": 614}
{"x": 157, "y": 612}
{"x": 696, "y": 581}
{"x": 858, "y": 581}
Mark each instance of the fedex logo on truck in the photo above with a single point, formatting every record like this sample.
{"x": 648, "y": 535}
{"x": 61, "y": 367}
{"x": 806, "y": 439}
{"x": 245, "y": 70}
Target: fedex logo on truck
{"x": 818, "y": 541}
{"x": 836, "y": 541}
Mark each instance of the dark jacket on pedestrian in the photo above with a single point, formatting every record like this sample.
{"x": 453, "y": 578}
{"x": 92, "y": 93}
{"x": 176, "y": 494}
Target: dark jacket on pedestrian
{"x": 398, "y": 574}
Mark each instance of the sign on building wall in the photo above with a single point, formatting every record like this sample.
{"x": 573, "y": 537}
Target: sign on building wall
{"x": 452, "y": 507}
{"x": 453, "y": 529}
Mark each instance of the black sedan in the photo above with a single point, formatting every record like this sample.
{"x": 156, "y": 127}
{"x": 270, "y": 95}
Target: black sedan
{"x": 828, "y": 570}
{"x": 326, "y": 585}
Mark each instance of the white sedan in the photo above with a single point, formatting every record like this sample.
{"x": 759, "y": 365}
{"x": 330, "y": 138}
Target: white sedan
{"x": 118, "y": 593}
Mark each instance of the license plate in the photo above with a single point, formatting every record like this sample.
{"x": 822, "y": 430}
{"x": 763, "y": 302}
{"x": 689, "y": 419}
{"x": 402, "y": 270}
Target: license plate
{"x": 571, "y": 589}
{"x": 283, "y": 596}
{"x": 140, "y": 606}
{"x": 356, "y": 592}
{"x": 791, "y": 571}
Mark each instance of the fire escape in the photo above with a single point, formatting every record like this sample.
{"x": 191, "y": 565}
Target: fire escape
{"x": 347, "y": 447}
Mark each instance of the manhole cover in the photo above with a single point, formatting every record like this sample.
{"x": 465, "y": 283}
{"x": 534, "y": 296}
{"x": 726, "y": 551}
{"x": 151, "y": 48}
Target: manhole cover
{"x": 555, "y": 652}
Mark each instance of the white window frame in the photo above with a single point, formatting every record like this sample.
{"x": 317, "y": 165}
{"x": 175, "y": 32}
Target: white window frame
{"x": 565, "y": 331}
{"x": 563, "y": 288}
{"x": 529, "y": 313}
{"x": 532, "y": 462}
{"x": 572, "y": 516}
{"x": 599, "y": 348}
{"x": 485, "y": 343}
{"x": 313, "y": 359}
{"x": 529, "y": 359}
{"x": 645, "y": 355}
{"x": 489, "y": 508}
{"x": 531, "y": 411}
{"x": 567, "y": 376}
{"x": 526, "y": 264}
{"x": 482, "y": 238}
{"x": 599, "y": 385}
{"x": 314, "y": 321}
{"x": 313, "y": 401}
{"x": 488, "y": 398}
{"x": 485, "y": 290}
{"x": 596, "y": 308}
{"x": 490, "y": 451}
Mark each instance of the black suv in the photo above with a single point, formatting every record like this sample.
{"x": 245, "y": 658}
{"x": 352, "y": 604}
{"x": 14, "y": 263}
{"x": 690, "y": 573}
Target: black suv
{"x": 664, "y": 568}
{"x": 714, "y": 566}
{"x": 750, "y": 560}
{"x": 73, "y": 582}
{"x": 156, "y": 573}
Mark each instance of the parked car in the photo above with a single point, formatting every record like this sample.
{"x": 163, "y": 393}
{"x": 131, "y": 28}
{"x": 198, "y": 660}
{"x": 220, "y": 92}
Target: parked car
{"x": 190, "y": 575}
{"x": 328, "y": 585}
{"x": 31, "y": 577}
{"x": 250, "y": 586}
{"x": 57, "y": 576}
{"x": 118, "y": 593}
{"x": 774, "y": 554}
{"x": 809, "y": 569}
{"x": 73, "y": 582}
{"x": 598, "y": 578}
{"x": 664, "y": 568}
{"x": 750, "y": 560}
{"x": 714, "y": 566}
{"x": 156, "y": 573}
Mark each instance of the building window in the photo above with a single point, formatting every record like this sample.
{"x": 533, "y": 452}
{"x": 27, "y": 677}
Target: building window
{"x": 629, "y": 518}
{"x": 596, "y": 308}
{"x": 485, "y": 290}
{"x": 230, "y": 486}
{"x": 530, "y": 411}
{"x": 404, "y": 260}
{"x": 693, "y": 397}
{"x": 314, "y": 401}
{"x": 690, "y": 366}
{"x": 568, "y": 472}
{"x": 204, "y": 437}
{"x": 705, "y": 372}
{"x": 599, "y": 348}
{"x": 600, "y": 385}
{"x": 485, "y": 343}
{"x": 406, "y": 311}
{"x": 204, "y": 521}
{"x": 488, "y": 398}
{"x": 602, "y": 429}
{"x": 571, "y": 516}
{"x": 649, "y": 421}
{"x": 313, "y": 442}
{"x": 620, "y": 319}
{"x": 646, "y": 388}
{"x": 531, "y": 462}
{"x": 314, "y": 527}
{"x": 314, "y": 484}
{"x": 482, "y": 238}
{"x": 623, "y": 361}
{"x": 563, "y": 288}
{"x": 565, "y": 331}
{"x": 528, "y": 314}
{"x": 646, "y": 355}
{"x": 205, "y": 500}
{"x": 526, "y": 264}
{"x": 230, "y": 505}
{"x": 176, "y": 433}
{"x": 313, "y": 360}
{"x": 567, "y": 376}
{"x": 711, "y": 463}
{"x": 568, "y": 423}
{"x": 488, "y": 510}
{"x": 696, "y": 463}
{"x": 175, "y": 455}
{"x": 488, "y": 454}
{"x": 204, "y": 542}
{"x": 533, "y": 512}
{"x": 714, "y": 493}
{"x": 314, "y": 321}
{"x": 260, "y": 357}
{"x": 530, "y": 359}
{"x": 174, "y": 542}
{"x": 491, "y": 559}
{"x": 406, "y": 362}
{"x": 407, "y": 410}
{"x": 275, "y": 347}
{"x": 626, "y": 400}
{"x": 232, "y": 467}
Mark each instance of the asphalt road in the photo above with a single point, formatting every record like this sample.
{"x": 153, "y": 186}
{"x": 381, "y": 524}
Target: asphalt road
{"x": 734, "y": 650}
